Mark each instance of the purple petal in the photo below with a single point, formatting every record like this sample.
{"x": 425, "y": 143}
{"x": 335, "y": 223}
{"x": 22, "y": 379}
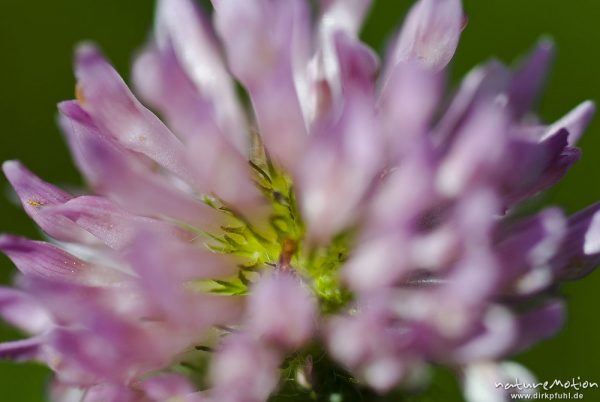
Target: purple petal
{"x": 539, "y": 324}
{"x": 478, "y": 154}
{"x": 110, "y": 392}
{"x": 170, "y": 290}
{"x": 44, "y": 260}
{"x": 22, "y": 311}
{"x": 575, "y": 122}
{"x": 539, "y": 165}
{"x": 483, "y": 84}
{"x": 374, "y": 265}
{"x": 114, "y": 109}
{"x": 189, "y": 260}
{"x": 580, "y": 253}
{"x": 257, "y": 27}
{"x": 280, "y": 119}
{"x": 101, "y": 218}
{"x": 556, "y": 170}
{"x": 408, "y": 101}
{"x": 261, "y": 43}
{"x": 341, "y": 61}
{"x": 529, "y": 78}
{"x": 372, "y": 344}
{"x": 217, "y": 165}
{"x": 499, "y": 333}
{"x": 392, "y": 207}
{"x": 347, "y": 15}
{"x": 37, "y": 258}
{"x": 105, "y": 220}
{"x": 161, "y": 81}
{"x": 527, "y": 248}
{"x": 273, "y": 300}
{"x": 62, "y": 392}
{"x": 36, "y": 195}
{"x": 358, "y": 64}
{"x": 23, "y": 350}
{"x": 180, "y": 25}
{"x": 430, "y": 33}
{"x": 244, "y": 369}
{"x": 108, "y": 348}
{"x": 348, "y": 147}
{"x": 115, "y": 173}
{"x": 221, "y": 170}
{"x": 163, "y": 387}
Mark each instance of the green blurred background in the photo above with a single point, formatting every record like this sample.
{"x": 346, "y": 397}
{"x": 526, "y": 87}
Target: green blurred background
{"x": 36, "y": 42}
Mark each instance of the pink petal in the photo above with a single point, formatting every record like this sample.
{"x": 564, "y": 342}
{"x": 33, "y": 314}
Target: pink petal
{"x": 23, "y": 350}
{"x": 180, "y": 25}
{"x": 408, "y": 101}
{"x": 576, "y": 121}
{"x": 348, "y": 147}
{"x": 44, "y": 260}
{"x": 478, "y": 155}
{"x": 430, "y": 33}
{"x": 117, "y": 112}
{"x": 529, "y": 78}
{"x": 116, "y": 173}
{"x": 244, "y": 369}
{"x": 347, "y": 15}
{"x": 23, "y": 311}
{"x": 167, "y": 269}
{"x": 108, "y": 222}
{"x": 36, "y": 195}
{"x": 261, "y": 43}
{"x": 281, "y": 310}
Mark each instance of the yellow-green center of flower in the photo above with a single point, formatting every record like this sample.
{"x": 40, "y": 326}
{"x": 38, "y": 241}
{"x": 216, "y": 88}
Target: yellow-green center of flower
{"x": 279, "y": 244}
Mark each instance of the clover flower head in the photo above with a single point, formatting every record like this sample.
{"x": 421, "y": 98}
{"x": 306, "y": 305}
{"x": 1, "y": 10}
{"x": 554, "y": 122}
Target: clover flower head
{"x": 301, "y": 217}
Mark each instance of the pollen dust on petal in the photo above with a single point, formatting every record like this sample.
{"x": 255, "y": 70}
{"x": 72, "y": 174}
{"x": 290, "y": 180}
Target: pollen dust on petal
{"x": 35, "y": 203}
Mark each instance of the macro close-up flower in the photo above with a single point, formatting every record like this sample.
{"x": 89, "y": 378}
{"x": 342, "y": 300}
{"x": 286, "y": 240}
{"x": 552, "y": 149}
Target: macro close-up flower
{"x": 273, "y": 211}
